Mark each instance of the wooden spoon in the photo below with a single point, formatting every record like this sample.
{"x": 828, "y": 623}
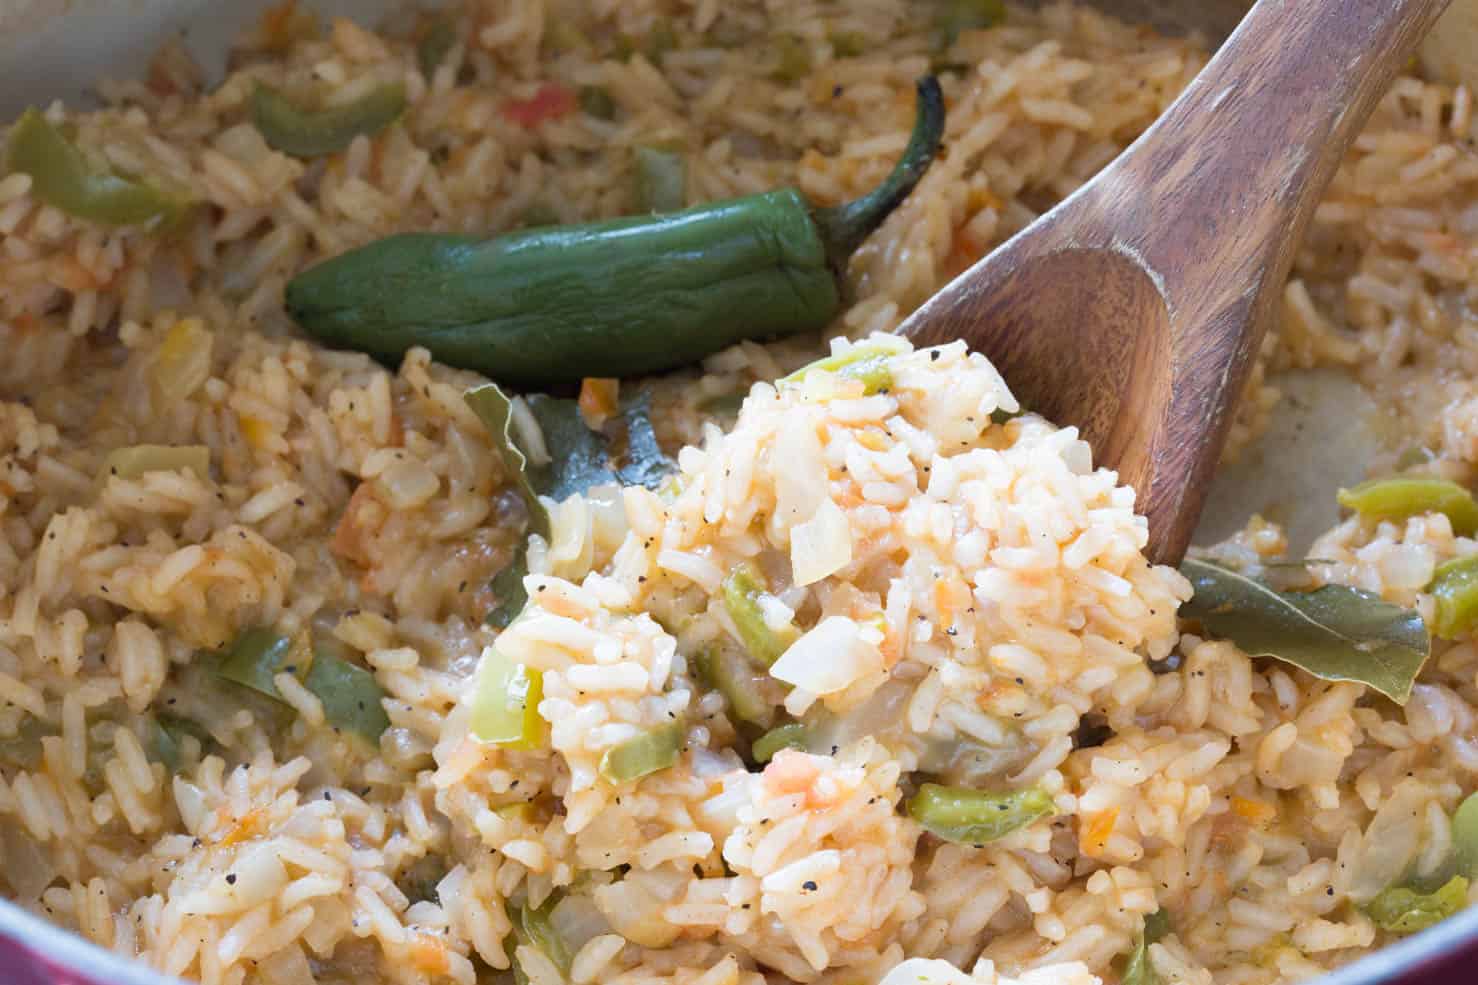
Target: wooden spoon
{"x": 1134, "y": 308}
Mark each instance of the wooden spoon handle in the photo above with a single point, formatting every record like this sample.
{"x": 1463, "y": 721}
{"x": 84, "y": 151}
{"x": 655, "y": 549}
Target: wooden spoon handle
{"x": 1211, "y": 203}
{"x": 1235, "y": 167}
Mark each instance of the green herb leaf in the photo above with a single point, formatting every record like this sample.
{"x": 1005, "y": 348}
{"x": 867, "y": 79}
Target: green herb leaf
{"x": 1335, "y": 633}
{"x": 1137, "y": 967}
{"x": 625, "y": 452}
{"x": 580, "y": 458}
{"x": 644, "y": 463}
{"x": 161, "y": 746}
{"x": 495, "y": 410}
{"x": 1405, "y": 911}
{"x": 350, "y": 694}
{"x": 258, "y": 655}
{"x": 507, "y": 586}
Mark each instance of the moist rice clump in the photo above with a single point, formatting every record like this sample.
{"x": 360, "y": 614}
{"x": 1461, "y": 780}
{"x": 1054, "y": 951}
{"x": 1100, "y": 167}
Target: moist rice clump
{"x": 963, "y": 593}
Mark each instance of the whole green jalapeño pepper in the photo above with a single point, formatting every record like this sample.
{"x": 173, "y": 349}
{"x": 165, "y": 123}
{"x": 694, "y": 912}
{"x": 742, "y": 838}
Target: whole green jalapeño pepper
{"x": 619, "y": 298}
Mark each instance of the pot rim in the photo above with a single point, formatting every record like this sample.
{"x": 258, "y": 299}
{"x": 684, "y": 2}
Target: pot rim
{"x": 1439, "y": 948}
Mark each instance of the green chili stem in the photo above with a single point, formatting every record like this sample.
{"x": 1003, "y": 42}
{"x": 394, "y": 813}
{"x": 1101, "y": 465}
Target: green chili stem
{"x": 844, "y": 227}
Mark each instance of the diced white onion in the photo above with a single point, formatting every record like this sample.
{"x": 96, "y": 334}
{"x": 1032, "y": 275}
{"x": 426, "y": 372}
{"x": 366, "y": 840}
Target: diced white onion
{"x": 822, "y": 545}
{"x": 721, "y": 811}
{"x": 576, "y": 919}
{"x": 800, "y": 486}
{"x": 828, "y": 658}
{"x": 1391, "y": 842}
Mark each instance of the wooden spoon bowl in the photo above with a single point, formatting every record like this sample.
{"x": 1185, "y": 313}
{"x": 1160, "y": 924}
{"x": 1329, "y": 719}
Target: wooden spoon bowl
{"x": 1133, "y": 310}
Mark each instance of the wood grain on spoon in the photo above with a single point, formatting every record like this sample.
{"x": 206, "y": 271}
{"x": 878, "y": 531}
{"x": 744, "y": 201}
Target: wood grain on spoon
{"x": 1133, "y": 310}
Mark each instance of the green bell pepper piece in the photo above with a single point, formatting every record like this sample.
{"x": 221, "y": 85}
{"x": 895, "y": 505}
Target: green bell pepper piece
{"x": 867, "y": 363}
{"x": 1455, "y": 587}
{"x": 62, "y": 177}
{"x": 741, "y": 590}
{"x": 533, "y": 926}
{"x": 314, "y": 133}
{"x": 650, "y": 752}
{"x": 974, "y": 817}
{"x": 660, "y": 180}
{"x": 792, "y": 735}
{"x": 732, "y": 675}
{"x": 1405, "y": 911}
{"x": 505, "y": 709}
{"x": 1405, "y": 496}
